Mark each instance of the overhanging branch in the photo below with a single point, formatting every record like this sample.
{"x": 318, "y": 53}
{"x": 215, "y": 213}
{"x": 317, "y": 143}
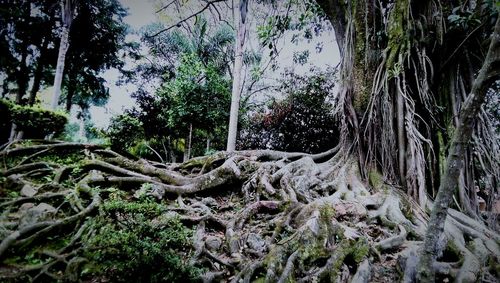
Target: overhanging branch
{"x": 209, "y": 3}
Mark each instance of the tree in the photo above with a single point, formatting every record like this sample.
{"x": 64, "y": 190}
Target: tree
{"x": 97, "y": 43}
{"x": 355, "y": 212}
{"x": 198, "y": 96}
{"x": 301, "y": 121}
{"x": 26, "y": 46}
{"x": 67, "y": 13}
{"x": 191, "y": 68}
{"x": 469, "y": 113}
{"x": 392, "y": 79}
{"x": 25, "y": 53}
{"x": 241, "y": 24}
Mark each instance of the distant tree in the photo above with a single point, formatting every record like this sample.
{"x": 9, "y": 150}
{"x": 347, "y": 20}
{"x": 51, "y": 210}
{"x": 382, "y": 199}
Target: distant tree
{"x": 124, "y": 131}
{"x": 302, "y": 121}
{"x": 241, "y": 30}
{"x": 97, "y": 43}
{"x": 28, "y": 31}
{"x": 199, "y": 98}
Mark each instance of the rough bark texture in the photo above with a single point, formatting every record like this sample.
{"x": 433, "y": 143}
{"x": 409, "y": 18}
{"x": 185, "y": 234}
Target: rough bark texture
{"x": 257, "y": 215}
{"x": 454, "y": 163}
{"x": 238, "y": 65}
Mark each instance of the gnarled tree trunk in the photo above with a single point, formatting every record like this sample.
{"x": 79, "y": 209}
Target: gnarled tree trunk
{"x": 454, "y": 163}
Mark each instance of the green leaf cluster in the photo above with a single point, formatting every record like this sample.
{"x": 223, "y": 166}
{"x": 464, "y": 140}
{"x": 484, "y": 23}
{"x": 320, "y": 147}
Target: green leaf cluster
{"x": 33, "y": 120}
{"x": 134, "y": 241}
{"x": 199, "y": 95}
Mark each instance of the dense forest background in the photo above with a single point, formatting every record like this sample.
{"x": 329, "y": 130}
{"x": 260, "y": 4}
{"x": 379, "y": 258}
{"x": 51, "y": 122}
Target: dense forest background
{"x": 231, "y": 166}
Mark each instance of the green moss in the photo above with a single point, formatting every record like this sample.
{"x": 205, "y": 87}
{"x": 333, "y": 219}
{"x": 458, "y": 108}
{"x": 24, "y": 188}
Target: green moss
{"x": 399, "y": 36}
{"x": 452, "y": 252}
{"x": 387, "y": 223}
{"x": 406, "y": 208}
{"x": 494, "y": 266}
{"x": 360, "y": 250}
{"x": 375, "y": 179}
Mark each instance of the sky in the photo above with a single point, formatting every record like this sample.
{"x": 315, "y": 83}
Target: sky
{"x": 142, "y": 12}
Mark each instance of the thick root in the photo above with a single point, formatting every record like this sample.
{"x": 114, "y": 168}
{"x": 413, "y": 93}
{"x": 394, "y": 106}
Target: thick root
{"x": 257, "y": 215}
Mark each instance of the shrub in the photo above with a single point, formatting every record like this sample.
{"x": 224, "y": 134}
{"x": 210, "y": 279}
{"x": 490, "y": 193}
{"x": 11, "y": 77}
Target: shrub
{"x": 136, "y": 242}
{"x": 124, "y": 132}
{"x": 35, "y": 122}
{"x": 301, "y": 121}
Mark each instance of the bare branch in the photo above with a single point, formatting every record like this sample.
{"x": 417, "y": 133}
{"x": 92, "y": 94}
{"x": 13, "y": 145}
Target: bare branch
{"x": 210, "y": 3}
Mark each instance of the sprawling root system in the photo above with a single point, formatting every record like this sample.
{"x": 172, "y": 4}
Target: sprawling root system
{"x": 257, "y": 215}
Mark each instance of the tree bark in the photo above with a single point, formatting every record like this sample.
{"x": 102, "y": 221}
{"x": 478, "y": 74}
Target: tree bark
{"x": 463, "y": 133}
{"x": 63, "y": 48}
{"x": 238, "y": 64}
{"x": 22, "y": 76}
{"x": 187, "y": 151}
{"x": 335, "y": 11}
{"x": 401, "y": 138}
{"x": 38, "y": 72}
{"x": 68, "y": 7}
{"x": 70, "y": 94}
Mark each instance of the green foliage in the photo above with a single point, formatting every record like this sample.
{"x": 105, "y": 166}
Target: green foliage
{"x": 124, "y": 131}
{"x": 199, "y": 95}
{"x": 33, "y": 120}
{"x": 129, "y": 246}
{"x": 96, "y": 42}
{"x": 463, "y": 19}
{"x": 307, "y": 24}
{"x": 302, "y": 121}
{"x": 6, "y": 121}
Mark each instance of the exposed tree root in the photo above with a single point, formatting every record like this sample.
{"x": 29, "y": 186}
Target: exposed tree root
{"x": 258, "y": 215}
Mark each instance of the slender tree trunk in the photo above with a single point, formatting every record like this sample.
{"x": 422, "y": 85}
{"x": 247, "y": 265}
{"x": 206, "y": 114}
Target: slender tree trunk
{"x": 70, "y": 94}
{"x": 22, "y": 76}
{"x": 187, "y": 151}
{"x": 208, "y": 145}
{"x": 63, "y": 48}
{"x": 401, "y": 138}
{"x": 38, "y": 72}
{"x": 81, "y": 132}
{"x": 22, "y": 79}
{"x": 461, "y": 137}
{"x": 173, "y": 153}
{"x": 238, "y": 64}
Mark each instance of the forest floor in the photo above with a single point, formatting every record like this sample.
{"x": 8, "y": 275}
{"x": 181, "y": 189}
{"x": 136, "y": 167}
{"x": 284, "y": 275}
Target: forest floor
{"x": 79, "y": 212}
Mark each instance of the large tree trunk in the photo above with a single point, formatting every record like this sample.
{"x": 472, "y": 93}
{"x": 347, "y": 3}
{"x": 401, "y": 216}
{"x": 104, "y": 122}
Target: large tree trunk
{"x": 238, "y": 64}
{"x": 458, "y": 147}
